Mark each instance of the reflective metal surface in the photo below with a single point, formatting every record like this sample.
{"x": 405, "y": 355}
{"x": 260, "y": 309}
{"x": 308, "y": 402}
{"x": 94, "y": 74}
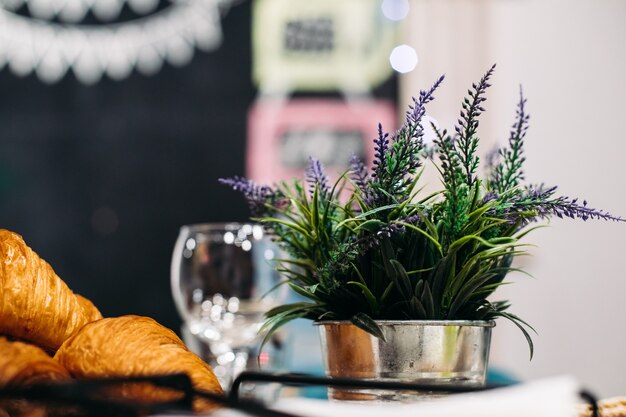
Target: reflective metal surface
{"x": 446, "y": 353}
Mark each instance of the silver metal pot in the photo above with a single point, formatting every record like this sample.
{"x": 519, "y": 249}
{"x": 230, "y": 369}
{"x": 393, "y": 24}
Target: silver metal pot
{"x": 446, "y": 353}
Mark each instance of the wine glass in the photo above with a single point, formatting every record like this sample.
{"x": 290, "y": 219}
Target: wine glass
{"x": 222, "y": 280}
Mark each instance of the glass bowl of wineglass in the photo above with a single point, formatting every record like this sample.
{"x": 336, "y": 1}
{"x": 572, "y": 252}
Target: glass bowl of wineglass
{"x": 223, "y": 281}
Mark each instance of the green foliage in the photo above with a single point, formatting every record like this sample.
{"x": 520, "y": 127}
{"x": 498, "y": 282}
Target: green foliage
{"x": 390, "y": 253}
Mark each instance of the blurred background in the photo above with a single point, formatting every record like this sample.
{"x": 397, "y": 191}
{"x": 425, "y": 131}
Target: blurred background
{"x": 117, "y": 118}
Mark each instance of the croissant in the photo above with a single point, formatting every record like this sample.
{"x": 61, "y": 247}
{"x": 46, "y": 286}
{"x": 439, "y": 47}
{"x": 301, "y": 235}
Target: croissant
{"x": 22, "y": 365}
{"x": 35, "y": 304}
{"x": 135, "y": 346}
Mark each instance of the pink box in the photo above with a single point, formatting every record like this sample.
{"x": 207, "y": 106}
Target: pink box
{"x": 283, "y": 134}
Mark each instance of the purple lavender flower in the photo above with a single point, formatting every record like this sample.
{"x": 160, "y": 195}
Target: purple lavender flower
{"x": 418, "y": 109}
{"x": 315, "y": 176}
{"x": 520, "y": 127}
{"x": 359, "y": 174}
{"x": 381, "y": 146}
{"x": 568, "y": 207}
{"x": 395, "y": 162}
{"x": 540, "y": 199}
{"x": 375, "y": 239}
{"x": 256, "y": 195}
{"x": 467, "y": 125}
{"x": 490, "y": 196}
{"x": 493, "y": 158}
{"x": 413, "y": 126}
{"x": 506, "y": 171}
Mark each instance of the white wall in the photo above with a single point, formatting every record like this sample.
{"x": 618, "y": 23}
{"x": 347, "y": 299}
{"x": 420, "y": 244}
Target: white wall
{"x": 570, "y": 56}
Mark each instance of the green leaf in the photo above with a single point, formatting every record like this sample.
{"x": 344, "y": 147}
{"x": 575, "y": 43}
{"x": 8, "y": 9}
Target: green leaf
{"x": 303, "y": 292}
{"x": 444, "y": 269}
{"x": 475, "y": 194}
{"x": 288, "y": 307}
{"x": 419, "y": 271}
{"x": 409, "y": 190}
{"x": 277, "y": 324}
{"x": 290, "y": 225}
{"x": 294, "y": 276}
{"x": 315, "y": 214}
{"x": 429, "y": 237}
{"x": 427, "y": 301}
{"x": 402, "y": 280}
{"x": 386, "y": 250}
{"x": 358, "y": 273}
{"x": 372, "y": 225}
{"x": 395, "y": 213}
{"x": 518, "y": 322}
{"x": 487, "y": 290}
{"x": 302, "y": 206}
{"x": 477, "y": 214}
{"x": 365, "y": 322}
{"x": 275, "y": 286}
{"x": 466, "y": 292}
{"x": 419, "y": 287}
{"x": 366, "y": 214}
{"x": 371, "y": 300}
{"x": 525, "y": 232}
{"x": 305, "y": 263}
{"x": 419, "y": 312}
{"x": 386, "y": 293}
{"x": 330, "y": 198}
{"x": 430, "y": 196}
{"x": 462, "y": 241}
{"x": 430, "y": 226}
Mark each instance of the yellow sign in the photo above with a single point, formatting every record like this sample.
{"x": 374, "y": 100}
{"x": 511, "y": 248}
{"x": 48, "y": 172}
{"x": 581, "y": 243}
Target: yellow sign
{"x": 321, "y": 45}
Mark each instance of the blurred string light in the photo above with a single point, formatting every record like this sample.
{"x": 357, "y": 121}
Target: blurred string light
{"x": 403, "y": 59}
{"x": 90, "y": 51}
{"x": 395, "y": 10}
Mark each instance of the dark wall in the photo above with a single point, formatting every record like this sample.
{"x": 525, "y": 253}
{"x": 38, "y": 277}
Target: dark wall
{"x": 98, "y": 179}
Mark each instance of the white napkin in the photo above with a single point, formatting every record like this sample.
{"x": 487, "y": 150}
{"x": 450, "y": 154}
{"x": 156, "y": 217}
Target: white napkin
{"x": 554, "y": 397}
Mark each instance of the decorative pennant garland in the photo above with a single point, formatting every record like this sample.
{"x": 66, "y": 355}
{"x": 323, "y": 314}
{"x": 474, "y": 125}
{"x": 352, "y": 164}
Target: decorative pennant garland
{"x": 51, "y": 49}
{"x": 75, "y": 10}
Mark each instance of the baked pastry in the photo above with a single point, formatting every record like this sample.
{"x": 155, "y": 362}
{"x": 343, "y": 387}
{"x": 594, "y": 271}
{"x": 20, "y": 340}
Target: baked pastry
{"x": 23, "y": 365}
{"x": 610, "y": 407}
{"x": 135, "y": 346}
{"x": 35, "y": 304}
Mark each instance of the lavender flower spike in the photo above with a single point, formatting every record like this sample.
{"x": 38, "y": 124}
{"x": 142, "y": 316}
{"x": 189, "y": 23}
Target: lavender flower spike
{"x": 256, "y": 195}
{"x": 418, "y": 109}
{"x": 542, "y": 201}
{"x": 315, "y": 176}
{"x": 375, "y": 239}
{"x": 567, "y": 207}
{"x": 381, "y": 146}
{"x": 359, "y": 174}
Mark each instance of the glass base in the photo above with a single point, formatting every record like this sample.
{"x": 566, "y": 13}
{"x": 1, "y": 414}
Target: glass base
{"x": 382, "y": 396}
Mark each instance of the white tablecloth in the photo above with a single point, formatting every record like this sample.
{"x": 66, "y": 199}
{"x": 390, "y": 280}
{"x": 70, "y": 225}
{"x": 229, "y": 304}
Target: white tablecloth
{"x": 555, "y": 397}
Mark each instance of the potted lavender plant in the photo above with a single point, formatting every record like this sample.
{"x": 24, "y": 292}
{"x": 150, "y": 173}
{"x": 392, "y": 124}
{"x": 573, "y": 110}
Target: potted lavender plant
{"x": 400, "y": 282}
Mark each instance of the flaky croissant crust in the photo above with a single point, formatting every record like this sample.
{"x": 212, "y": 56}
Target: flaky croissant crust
{"x": 135, "y": 346}
{"x": 22, "y": 365}
{"x": 35, "y": 304}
